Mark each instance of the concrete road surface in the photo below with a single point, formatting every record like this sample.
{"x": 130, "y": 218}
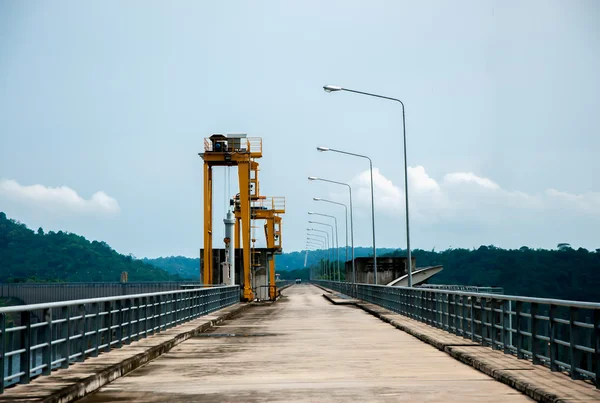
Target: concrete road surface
{"x": 304, "y": 349}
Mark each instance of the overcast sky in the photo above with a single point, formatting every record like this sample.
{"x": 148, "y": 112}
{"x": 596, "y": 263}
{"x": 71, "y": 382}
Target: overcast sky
{"x": 104, "y": 107}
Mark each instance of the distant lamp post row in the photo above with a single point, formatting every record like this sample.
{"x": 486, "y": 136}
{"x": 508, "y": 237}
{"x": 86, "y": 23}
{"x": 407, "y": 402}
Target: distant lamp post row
{"x": 334, "y": 88}
{"x": 311, "y": 232}
{"x": 337, "y": 238}
{"x": 314, "y": 178}
{"x": 323, "y": 149}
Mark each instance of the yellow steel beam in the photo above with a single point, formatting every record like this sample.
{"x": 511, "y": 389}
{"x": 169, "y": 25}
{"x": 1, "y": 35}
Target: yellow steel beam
{"x": 244, "y": 179}
{"x": 207, "y": 272}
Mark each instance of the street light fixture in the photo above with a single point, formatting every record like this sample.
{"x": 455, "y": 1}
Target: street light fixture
{"x": 327, "y": 243}
{"x": 338, "y": 248}
{"x": 337, "y": 241}
{"x": 334, "y": 88}
{"x": 318, "y": 244}
{"x": 345, "y": 216}
{"x": 324, "y": 149}
{"x": 314, "y": 178}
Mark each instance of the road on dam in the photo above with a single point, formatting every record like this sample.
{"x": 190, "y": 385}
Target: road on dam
{"x": 305, "y": 349}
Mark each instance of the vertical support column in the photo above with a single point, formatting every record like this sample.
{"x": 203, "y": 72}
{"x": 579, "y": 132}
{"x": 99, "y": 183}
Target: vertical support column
{"x": 237, "y": 233}
{"x": 596, "y": 344}
{"x": 3, "y": 342}
{"x": 244, "y": 178}
{"x": 272, "y": 287}
{"x": 47, "y": 338}
{"x": 553, "y": 354}
{"x": 504, "y": 338}
{"x": 25, "y": 356}
{"x": 535, "y": 351}
{"x": 518, "y": 327}
{"x": 574, "y": 339}
{"x": 207, "y": 272}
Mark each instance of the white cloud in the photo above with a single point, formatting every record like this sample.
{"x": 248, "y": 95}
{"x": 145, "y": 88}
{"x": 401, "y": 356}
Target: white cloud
{"x": 62, "y": 199}
{"x": 469, "y": 177}
{"x": 463, "y": 196}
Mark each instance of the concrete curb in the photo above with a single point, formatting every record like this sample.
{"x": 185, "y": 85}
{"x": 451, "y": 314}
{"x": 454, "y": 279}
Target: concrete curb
{"x": 96, "y": 381}
{"x": 537, "y": 392}
{"x": 339, "y": 301}
{"x": 327, "y": 290}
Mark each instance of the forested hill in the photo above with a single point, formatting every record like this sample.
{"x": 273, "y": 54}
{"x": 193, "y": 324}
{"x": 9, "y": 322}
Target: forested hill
{"x": 564, "y": 273}
{"x": 26, "y": 255}
{"x": 190, "y": 267}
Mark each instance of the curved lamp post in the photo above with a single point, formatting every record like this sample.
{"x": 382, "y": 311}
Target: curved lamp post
{"x": 323, "y": 149}
{"x": 335, "y": 88}
{"x": 320, "y": 238}
{"x": 332, "y": 235}
{"x": 345, "y": 216}
{"x": 328, "y": 246}
{"x": 337, "y": 241}
{"x": 314, "y": 178}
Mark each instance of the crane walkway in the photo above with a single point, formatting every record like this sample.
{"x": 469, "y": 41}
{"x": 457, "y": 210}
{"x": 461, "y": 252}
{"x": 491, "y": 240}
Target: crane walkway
{"x": 303, "y": 348}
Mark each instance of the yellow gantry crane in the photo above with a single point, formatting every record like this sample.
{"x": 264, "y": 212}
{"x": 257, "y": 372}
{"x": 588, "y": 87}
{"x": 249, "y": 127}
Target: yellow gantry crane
{"x": 268, "y": 209}
{"x": 241, "y": 151}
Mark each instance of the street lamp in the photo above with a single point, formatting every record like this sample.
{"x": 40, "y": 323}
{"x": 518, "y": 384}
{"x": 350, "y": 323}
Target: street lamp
{"x": 323, "y": 149}
{"x": 338, "y": 246}
{"x": 337, "y": 241}
{"x": 345, "y": 216}
{"x": 316, "y": 244}
{"x": 334, "y": 88}
{"x": 314, "y": 178}
{"x": 319, "y": 238}
{"x": 328, "y": 245}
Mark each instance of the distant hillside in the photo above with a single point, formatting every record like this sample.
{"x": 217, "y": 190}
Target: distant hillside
{"x": 26, "y": 255}
{"x": 189, "y": 268}
{"x": 186, "y": 267}
{"x": 564, "y": 273}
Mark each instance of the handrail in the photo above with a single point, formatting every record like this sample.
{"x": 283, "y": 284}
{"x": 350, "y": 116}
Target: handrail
{"x": 37, "y": 338}
{"x": 560, "y": 334}
{"x": 60, "y": 304}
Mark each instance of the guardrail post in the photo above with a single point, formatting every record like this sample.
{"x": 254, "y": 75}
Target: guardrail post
{"x": 534, "y": 332}
{"x": 82, "y": 325}
{"x": 596, "y": 341}
{"x": 518, "y": 322}
{"x": 472, "y": 299}
{"x": 553, "y": 353}
{"x": 494, "y": 331}
{"x": 25, "y": 357}
{"x": 463, "y": 315}
{"x": 47, "y": 337}
{"x": 65, "y": 334}
{"x": 127, "y": 317}
{"x": 3, "y": 349}
{"x": 574, "y": 338}
{"x": 109, "y": 322}
{"x": 135, "y": 315}
{"x": 97, "y": 327}
{"x": 505, "y": 339}
{"x": 120, "y": 319}
{"x": 144, "y": 302}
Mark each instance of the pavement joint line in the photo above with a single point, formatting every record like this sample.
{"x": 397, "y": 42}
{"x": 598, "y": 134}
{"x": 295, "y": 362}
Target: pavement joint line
{"x": 540, "y": 393}
{"x": 76, "y": 390}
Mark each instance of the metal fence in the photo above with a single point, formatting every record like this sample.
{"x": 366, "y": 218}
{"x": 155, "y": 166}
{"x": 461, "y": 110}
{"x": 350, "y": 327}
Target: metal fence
{"x": 561, "y": 335}
{"x": 38, "y": 293}
{"x": 34, "y": 339}
{"x": 465, "y": 288}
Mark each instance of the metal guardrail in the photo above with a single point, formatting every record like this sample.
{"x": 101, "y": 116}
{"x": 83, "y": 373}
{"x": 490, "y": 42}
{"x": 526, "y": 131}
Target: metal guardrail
{"x": 38, "y": 293}
{"x": 466, "y": 288}
{"x": 561, "y": 335}
{"x": 34, "y": 339}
